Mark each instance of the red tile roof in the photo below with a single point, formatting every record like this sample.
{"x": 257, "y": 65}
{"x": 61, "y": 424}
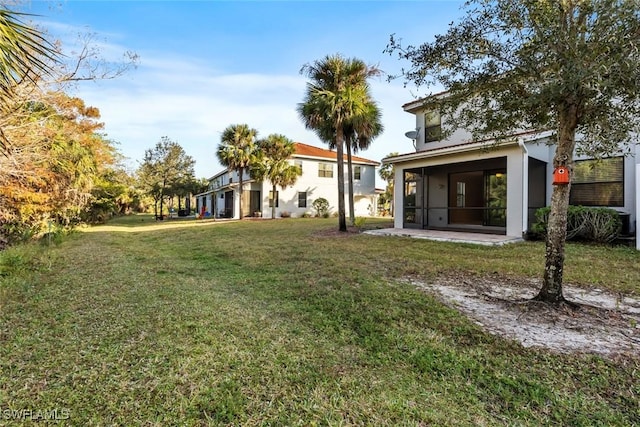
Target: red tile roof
{"x": 305, "y": 150}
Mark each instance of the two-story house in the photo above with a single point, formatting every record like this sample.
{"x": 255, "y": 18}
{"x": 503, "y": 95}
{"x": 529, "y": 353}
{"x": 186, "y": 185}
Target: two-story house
{"x": 318, "y": 179}
{"x": 484, "y": 186}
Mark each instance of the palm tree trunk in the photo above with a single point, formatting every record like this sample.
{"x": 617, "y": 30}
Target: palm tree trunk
{"x": 352, "y": 217}
{"x": 240, "y": 183}
{"x": 273, "y": 202}
{"x": 342, "y": 222}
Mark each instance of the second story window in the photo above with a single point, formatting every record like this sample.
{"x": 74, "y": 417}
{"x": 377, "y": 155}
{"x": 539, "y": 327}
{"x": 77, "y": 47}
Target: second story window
{"x": 325, "y": 170}
{"x": 432, "y": 126}
{"x": 357, "y": 172}
{"x": 298, "y": 163}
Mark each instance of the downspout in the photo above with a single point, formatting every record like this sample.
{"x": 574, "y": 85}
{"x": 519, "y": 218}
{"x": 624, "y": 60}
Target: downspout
{"x": 525, "y": 186}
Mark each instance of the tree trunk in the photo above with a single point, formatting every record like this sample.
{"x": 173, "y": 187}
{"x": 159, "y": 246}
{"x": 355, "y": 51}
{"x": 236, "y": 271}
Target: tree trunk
{"x": 342, "y": 222}
{"x": 273, "y": 203}
{"x": 352, "y": 217}
{"x": 391, "y": 203}
{"x": 240, "y": 183}
{"x": 551, "y": 290}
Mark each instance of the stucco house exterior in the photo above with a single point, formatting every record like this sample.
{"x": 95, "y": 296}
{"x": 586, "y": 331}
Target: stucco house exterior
{"x": 318, "y": 179}
{"x": 490, "y": 187}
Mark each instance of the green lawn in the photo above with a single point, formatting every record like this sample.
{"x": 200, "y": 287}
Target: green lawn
{"x": 269, "y": 323}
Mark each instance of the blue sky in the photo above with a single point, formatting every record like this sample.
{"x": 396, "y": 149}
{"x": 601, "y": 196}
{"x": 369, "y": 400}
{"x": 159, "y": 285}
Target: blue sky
{"x": 207, "y": 64}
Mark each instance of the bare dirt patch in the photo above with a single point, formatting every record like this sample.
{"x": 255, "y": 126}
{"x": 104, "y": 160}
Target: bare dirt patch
{"x": 602, "y": 323}
{"x": 335, "y": 232}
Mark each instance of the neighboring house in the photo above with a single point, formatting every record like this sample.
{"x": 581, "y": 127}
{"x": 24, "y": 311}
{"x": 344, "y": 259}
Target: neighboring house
{"x": 486, "y": 187}
{"x": 318, "y": 179}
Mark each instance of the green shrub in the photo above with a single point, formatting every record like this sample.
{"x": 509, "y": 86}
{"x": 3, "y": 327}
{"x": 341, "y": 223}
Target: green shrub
{"x": 306, "y": 215}
{"x": 11, "y": 260}
{"x": 603, "y": 225}
{"x": 591, "y": 224}
{"x": 321, "y": 206}
{"x": 23, "y": 258}
{"x": 359, "y": 221}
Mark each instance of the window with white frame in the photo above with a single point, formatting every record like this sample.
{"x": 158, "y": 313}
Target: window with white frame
{"x": 325, "y": 170}
{"x": 298, "y": 164}
{"x": 357, "y": 173}
{"x": 598, "y": 182}
{"x": 302, "y": 199}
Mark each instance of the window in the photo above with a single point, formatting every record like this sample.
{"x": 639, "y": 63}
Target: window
{"x": 325, "y": 170}
{"x": 411, "y": 214}
{"x": 357, "y": 172}
{"x": 461, "y": 193}
{"x": 302, "y": 199}
{"x": 298, "y": 164}
{"x": 271, "y": 198}
{"x": 432, "y": 126}
{"x": 598, "y": 182}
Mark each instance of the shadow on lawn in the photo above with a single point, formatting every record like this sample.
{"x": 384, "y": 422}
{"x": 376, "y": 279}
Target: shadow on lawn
{"x": 146, "y": 222}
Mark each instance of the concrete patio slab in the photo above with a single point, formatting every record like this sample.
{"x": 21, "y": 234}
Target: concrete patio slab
{"x": 447, "y": 236}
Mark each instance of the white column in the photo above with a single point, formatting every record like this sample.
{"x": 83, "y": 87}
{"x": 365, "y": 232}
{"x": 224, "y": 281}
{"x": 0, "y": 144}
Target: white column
{"x": 515, "y": 186}
{"x": 398, "y": 194}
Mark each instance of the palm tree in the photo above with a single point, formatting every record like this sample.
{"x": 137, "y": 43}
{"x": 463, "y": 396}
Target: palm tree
{"x": 336, "y": 95}
{"x": 272, "y": 163}
{"x": 24, "y": 55}
{"x": 24, "y": 52}
{"x": 359, "y": 134}
{"x": 236, "y": 151}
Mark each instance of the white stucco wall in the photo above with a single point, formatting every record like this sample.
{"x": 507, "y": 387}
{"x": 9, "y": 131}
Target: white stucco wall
{"x": 322, "y": 187}
{"x": 365, "y": 197}
{"x": 458, "y": 137}
{"x": 516, "y": 192}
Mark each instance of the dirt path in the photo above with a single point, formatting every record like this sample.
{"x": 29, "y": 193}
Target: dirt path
{"x": 604, "y": 323}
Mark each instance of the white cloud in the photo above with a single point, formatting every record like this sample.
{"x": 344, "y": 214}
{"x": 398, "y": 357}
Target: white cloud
{"x": 192, "y": 103}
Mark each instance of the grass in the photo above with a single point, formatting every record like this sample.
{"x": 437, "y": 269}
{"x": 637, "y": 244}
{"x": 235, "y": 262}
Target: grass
{"x": 269, "y": 323}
